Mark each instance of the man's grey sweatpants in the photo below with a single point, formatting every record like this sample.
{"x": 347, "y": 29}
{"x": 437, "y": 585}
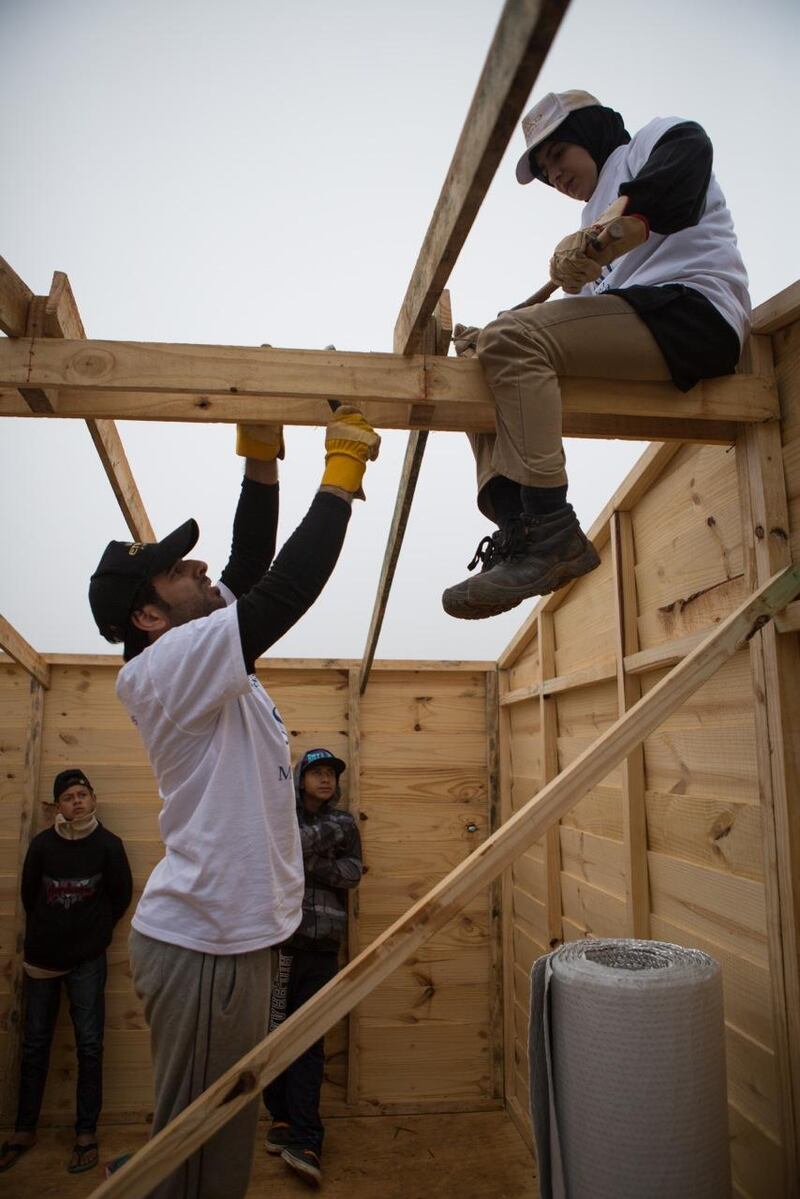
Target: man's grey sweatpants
{"x": 204, "y": 1013}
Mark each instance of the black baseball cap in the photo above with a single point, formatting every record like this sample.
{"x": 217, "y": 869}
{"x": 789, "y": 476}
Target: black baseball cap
{"x": 69, "y": 778}
{"x": 124, "y": 567}
{"x": 320, "y": 757}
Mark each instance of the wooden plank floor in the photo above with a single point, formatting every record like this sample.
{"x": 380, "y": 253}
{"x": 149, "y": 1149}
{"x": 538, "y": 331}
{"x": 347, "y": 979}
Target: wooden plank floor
{"x": 479, "y": 1155}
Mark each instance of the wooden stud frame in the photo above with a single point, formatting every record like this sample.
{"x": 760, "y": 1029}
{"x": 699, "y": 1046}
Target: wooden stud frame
{"x": 243, "y": 1082}
{"x": 775, "y": 667}
{"x": 27, "y": 824}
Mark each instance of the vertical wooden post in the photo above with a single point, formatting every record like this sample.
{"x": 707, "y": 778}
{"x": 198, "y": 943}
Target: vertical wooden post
{"x": 629, "y": 691}
{"x": 354, "y": 807}
{"x": 548, "y": 724}
{"x": 27, "y": 823}
{"x": 775, "y": 666}
{"x": 495, "y": 897}
{"x": 505, "y": 775}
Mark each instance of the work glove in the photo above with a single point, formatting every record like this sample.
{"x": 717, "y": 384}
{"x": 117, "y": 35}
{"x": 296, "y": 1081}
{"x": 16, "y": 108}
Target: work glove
{"x": 264, "y": 442}
{"x": 465, "y": 340}
{"x": 350, "y": 443}
{"x": 579, "y": 258}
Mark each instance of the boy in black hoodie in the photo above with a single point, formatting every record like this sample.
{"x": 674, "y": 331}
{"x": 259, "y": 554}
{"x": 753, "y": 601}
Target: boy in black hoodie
{"x": 309, "y": 959}
{"x": 76, "y": 884}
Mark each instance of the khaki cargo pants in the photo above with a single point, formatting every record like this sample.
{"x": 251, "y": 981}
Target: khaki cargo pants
{"x": 523, "y": 353}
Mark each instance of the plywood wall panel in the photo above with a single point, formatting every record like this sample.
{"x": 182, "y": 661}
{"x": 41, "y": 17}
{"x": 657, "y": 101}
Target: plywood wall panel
{"x": 703, "y": 846}
{"x": 711, "y": 832}
{"x": 583, "y": 621}
{"x": 425, "y": 806}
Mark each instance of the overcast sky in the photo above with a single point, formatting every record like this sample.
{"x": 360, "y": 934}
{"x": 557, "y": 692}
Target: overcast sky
{"x": 258, "y": 171}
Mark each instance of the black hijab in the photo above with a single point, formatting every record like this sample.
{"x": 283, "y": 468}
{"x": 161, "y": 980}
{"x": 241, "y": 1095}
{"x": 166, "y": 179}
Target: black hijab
{"x": 599, "y": 130}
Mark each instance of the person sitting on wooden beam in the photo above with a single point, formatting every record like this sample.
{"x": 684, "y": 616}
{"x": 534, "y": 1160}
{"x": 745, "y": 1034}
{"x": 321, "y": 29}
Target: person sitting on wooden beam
{"x": 231, "y": 884}
{"x": 657, "y": 290}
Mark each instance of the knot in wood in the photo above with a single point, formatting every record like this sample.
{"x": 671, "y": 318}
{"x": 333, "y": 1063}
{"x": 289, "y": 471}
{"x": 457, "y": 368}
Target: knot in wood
{"x": 245, "y": 1083}
{"x": 89, "y": 364}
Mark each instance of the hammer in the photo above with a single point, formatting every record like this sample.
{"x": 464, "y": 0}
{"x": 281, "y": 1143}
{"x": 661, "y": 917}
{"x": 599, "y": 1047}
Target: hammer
{"x": 613, "y": 232}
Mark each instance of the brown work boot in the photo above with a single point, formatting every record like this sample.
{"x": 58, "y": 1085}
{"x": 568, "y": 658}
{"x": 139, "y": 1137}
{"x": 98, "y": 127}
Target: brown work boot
{"x": 532, "y": 555}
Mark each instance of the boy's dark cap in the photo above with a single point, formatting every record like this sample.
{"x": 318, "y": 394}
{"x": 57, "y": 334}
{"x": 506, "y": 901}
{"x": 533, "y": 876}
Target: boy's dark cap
{"x": 69, "y": 778}
{"x": 124, "y": 567}
{"x": 320, "y": 757}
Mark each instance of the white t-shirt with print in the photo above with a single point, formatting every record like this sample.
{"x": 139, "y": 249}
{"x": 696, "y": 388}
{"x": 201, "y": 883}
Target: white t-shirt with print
{"x": 232, "y": 878}
{"x": 704, "y": 256}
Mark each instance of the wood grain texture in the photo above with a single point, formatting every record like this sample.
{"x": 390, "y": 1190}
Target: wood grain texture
{"x": 231, "y": 1092}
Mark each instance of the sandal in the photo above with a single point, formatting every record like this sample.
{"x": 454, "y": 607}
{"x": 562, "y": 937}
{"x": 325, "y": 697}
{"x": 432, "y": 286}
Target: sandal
{"x": 15, "y": 1148}
{"x": 81, "y": 1152}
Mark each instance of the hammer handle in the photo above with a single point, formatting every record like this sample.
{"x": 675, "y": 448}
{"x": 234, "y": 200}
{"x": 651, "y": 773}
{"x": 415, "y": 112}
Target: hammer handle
{"x": 611, "y": 233}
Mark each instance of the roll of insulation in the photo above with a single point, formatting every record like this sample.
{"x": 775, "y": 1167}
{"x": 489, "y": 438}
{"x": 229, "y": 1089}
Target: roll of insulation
{"x": 628, "y": 1096}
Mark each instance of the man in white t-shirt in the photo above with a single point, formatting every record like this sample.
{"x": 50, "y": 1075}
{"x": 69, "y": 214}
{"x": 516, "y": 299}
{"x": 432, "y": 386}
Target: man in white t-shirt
{"x": 656, "y": 290}
{"x": 231, "y": 883}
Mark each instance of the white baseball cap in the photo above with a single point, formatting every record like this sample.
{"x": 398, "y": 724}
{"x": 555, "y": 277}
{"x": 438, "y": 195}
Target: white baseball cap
{"x": 543, "y": 120}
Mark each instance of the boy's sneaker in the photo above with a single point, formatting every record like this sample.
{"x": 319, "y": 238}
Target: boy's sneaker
{"x": 278, "y": 1137}
{"x": 305, "y": 1162}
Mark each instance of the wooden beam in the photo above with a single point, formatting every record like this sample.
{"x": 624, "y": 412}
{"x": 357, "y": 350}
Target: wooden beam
{"x": 353, "y": 940}
{"x": 548, "y": 731}
{"x": 15, "y": 645}
{"x": 775, "y": 667}
{"x": 496, "y": 947}
{"x": 149, "y": 381}
{"x": 629, "y": 692}
{"x": 62, "y": 320}
{"x": 437, "y": 341}
{"x": 506, "y": 774}
{"x": 243, "y": 1082}
{"x": 524, "y": 35}
{"x": 56, "y": 315}
{"x": 27, "y": 824}
{"x": 108, "y": 443}
{"x": 61, "y": 316}
{"x": 779, "y": 311}
{"x": 15, "y": 300}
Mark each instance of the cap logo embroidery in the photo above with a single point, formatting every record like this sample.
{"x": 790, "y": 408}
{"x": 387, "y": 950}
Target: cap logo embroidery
{"x": 134, "y": 547}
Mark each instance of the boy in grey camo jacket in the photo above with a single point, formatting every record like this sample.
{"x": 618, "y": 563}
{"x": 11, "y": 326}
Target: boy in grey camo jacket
{"x": 309, "y": 959}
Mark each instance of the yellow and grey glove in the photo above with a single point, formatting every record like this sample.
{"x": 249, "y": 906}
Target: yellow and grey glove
{"x": 579, "y": 258}
{"x": 350, "y": 443}
{"x": 264, "y": 442}
{"x": 465, "y": 340}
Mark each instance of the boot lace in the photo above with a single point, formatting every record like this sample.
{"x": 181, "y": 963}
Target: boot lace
{"x": 486, "y": 553}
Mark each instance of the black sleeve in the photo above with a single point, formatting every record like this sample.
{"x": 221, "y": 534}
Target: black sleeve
{"x": 255, "y": 528}
{"x": 296, "y": 577}
{"x": 119, "y": 883}
{"x": 670, "y": 189}
{"x": 31, "y": 877}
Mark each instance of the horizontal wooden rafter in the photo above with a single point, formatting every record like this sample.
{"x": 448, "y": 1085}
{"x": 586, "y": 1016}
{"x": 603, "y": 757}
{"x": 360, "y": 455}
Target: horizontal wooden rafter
{"x": 243, "y": 1082}
{"x": 151, "y": 381}
{"x": 15, "y": 645}
{"x": 397, "y": 665}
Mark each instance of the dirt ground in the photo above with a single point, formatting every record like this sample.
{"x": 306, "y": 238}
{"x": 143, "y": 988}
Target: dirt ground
{"x": 478, "y": 1155}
